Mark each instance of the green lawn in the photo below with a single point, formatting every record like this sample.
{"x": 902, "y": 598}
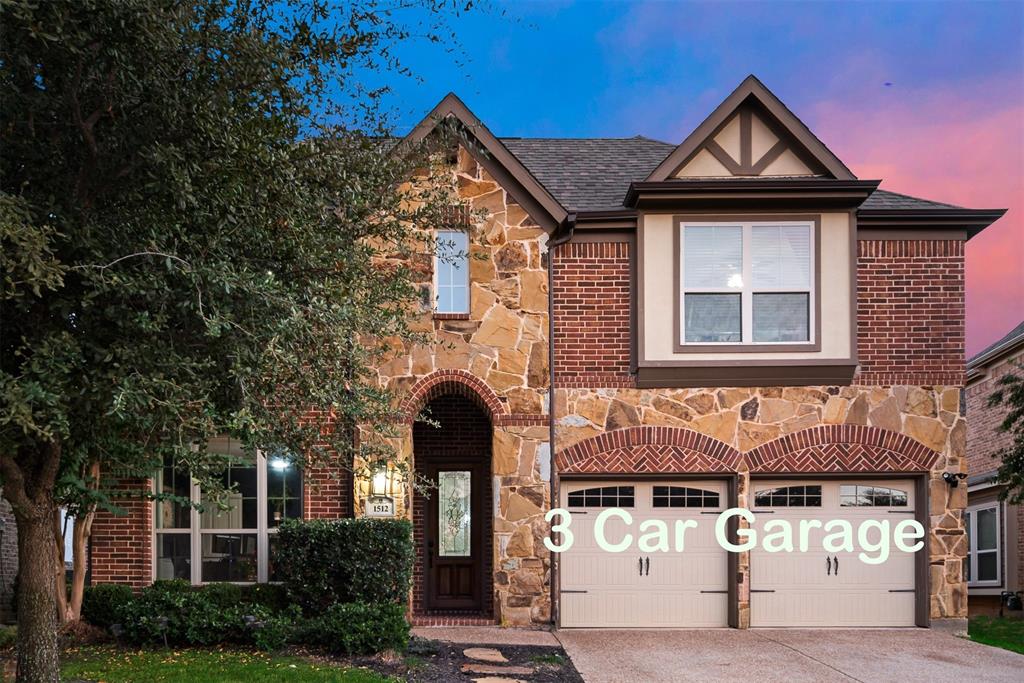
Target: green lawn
{"x": 1005, "y": 633}
{"x": 117, "y": 665}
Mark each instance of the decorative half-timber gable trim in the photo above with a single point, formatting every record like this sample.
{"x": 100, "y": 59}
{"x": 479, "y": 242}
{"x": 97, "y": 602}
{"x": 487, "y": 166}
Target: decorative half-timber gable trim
{"x": 841, "y": 449}
{"x": 648, "y": 450}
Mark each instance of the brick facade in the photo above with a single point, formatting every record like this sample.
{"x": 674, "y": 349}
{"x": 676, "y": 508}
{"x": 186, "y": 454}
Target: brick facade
{"x": 910, "y": 312}
{"x": 591, "y": 301}
{"x": 121, "y": 548}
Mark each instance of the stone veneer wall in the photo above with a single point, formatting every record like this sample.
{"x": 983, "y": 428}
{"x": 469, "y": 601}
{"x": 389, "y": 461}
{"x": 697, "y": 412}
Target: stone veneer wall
{"x": 746, "y": 418}
{"x": 499, "y": 352}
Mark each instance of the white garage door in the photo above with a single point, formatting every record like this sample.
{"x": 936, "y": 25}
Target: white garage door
{"x": 816, "y": 588}
{"x": 635, "y": 589}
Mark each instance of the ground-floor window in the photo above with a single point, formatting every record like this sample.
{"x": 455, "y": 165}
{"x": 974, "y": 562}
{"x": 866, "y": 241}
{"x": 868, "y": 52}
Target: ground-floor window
{"x": 234, "y": 544}
{"x": 982, "y": 564}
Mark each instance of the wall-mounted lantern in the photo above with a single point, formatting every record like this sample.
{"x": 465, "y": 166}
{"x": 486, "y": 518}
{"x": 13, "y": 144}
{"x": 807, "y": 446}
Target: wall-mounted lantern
{"x": 380, "y": 502}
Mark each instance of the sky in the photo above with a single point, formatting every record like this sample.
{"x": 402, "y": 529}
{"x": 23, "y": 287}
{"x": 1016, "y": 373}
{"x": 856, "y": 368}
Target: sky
{"x": 926, "y": 96}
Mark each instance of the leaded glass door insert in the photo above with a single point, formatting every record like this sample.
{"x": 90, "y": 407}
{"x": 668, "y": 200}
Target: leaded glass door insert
{"x": 455, "y": 519}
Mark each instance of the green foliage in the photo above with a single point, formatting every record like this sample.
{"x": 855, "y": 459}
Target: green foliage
{"x": 323, "y": 562}
{"x": 8, "y": 636}
{"x": 1010, "y": 395}
{"x": 358, "y": 629}
{"x": 1007, "y": 633}
{"x": 104, "y": 604}
{"x": 273, "y": 596}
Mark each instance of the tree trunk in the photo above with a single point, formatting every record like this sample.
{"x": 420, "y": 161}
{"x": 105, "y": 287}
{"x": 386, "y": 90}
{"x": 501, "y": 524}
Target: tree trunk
{"x": 79, "y": 546}
{"x": 60, "y": 583}
{"x": 38, "y": 656}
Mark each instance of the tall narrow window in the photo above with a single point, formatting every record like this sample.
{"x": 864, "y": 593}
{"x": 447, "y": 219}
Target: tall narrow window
{"x": 451, "y": 272}
{"x": 983, "y": 548}
{"x": 747, "y": 283}
{"x": 233, "y": 539}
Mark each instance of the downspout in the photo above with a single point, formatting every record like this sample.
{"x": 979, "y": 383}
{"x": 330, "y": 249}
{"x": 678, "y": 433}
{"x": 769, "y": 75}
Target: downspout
{"x": 567, "y": 227}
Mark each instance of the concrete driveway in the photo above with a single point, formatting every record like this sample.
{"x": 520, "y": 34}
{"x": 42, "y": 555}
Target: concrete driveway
{"x": 790, "y": 655}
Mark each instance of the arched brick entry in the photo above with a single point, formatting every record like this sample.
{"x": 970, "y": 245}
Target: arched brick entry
{"x": 659, "y": 450}
{"x": 842, "y": 448}
{"x": 449, "y": 382}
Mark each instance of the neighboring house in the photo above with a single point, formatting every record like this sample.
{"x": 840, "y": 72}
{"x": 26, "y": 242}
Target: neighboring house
{"x": 668, "y": 329}
{"x": 995, "y": 559}
{"x": 8, "y": 562}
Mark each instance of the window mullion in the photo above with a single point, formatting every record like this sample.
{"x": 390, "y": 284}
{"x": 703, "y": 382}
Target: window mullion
{"x": 747, "y": 296}
{"x": 195, "y": 532}
{"x": 261, "y": 517}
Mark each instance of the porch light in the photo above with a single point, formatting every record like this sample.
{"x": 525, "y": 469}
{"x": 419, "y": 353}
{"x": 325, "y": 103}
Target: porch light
{"x": 379, "y": 484}
{"x": 280, "y": 464}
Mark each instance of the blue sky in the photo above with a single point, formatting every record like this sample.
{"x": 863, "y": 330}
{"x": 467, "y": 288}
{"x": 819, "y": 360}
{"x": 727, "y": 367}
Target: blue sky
{"x": 927, "y": 96}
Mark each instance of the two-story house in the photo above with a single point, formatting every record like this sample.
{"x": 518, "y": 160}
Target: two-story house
{"x": 672, "y": 330}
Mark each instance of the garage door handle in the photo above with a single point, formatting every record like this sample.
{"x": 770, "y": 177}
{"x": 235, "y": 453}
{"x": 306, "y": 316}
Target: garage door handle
{"x": 902, "y": 590}
{"x": 641, "y": 562}
{"x": 726, "y": 592}
{"x": 828, "y": 566}
{"x": 647, "y": 571}
{"x": 753, "y": 590}
{"x": 837, "y": 565}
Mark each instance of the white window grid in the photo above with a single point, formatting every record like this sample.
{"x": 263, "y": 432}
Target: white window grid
{"x": 747, "y": 291}
{"x": 443, "y": 240}
{"x": 263, "y": 531}
{"x": 971, "y": 525}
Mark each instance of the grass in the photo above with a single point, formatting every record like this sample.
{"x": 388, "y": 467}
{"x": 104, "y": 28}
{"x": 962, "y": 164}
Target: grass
{"x": 1005, "y": 633}
{"x": 117, "y": 665}
{"x": 554, "y": 659}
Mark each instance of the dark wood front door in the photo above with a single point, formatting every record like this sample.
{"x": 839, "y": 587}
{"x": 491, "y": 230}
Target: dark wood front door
{"x": 454, "y": 537}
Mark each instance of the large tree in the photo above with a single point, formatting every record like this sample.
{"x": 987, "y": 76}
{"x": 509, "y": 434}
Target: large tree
{"x": 201, "y": 221}
{"x": 1009, "y": 394}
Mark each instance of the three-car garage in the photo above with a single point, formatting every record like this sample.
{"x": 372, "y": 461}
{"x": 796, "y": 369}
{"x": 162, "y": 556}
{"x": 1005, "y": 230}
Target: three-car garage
{"x": 644, "y": 586}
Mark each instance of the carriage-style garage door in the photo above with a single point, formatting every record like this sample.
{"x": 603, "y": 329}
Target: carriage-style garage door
{"x": 831, "y": 589}
{"x": 635, "y": 589}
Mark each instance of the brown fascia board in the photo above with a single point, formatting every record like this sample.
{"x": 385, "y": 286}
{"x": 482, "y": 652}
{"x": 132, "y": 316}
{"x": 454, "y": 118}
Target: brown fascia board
{"x": 759, "y": 192}
{"x": 751, "y": 87}
{"x": 971, "y": 220}
{"x": 493, "y": 156}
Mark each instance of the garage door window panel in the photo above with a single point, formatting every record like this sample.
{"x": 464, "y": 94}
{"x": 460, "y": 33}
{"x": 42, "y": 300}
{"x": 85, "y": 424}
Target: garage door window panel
{"x": 603, "y": 497}
{"x": 683, "y": 497}
{"x": 866, "y": 495}
{"x": 789, "y": 496}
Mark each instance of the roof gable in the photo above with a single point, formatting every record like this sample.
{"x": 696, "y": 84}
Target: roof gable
{"x": 751, "y": 133}
{"x": 490, "y": 153}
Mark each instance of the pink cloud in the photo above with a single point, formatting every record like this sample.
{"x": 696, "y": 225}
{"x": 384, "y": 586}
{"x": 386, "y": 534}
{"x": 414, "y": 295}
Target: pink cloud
{"x": 963, "y": 147}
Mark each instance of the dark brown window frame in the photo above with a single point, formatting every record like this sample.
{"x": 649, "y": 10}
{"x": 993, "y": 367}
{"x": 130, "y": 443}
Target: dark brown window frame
{"x": 744, "y": 347}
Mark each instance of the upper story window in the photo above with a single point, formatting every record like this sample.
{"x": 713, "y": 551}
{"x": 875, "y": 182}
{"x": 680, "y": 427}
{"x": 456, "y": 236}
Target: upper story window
{"x": 451, "y": 272}
{"x": 747, "y": 283}
{"x": 235, "y": 544}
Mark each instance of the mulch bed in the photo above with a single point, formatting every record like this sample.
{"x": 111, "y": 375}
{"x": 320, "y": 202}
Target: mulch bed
{"x": 430, "y": 661}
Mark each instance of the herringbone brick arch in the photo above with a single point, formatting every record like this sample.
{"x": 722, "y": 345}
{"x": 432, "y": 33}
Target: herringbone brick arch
{"x": 442, "y": 382}
{"x": 661, "y": 450}
{"x": 842, "y": 448}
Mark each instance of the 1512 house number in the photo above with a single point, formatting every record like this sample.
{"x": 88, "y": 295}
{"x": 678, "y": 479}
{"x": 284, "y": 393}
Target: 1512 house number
{"x": 873, "y": 537}
{"x": 379, "y": 506}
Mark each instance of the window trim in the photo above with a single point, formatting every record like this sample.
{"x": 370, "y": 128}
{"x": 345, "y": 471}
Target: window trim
{"x": 972, "y": 538}
{"x": 679, "y": 345}
{"x": 195, "y": 532}
{"x": 435, "y": 287}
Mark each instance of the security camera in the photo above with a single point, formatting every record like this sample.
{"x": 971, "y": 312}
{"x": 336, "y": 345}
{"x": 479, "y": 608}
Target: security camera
{"x": 953, "y": 479}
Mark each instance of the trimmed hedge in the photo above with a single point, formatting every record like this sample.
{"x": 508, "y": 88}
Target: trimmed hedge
{"x": 325, "y": 562}
{"x": 104, "y": 604}
{"x": 358, "y": 629}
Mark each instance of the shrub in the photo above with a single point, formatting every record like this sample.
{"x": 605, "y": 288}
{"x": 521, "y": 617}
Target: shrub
{"x": 273, "y": 596}
{"x": 223, "y": 595}
{"x": 358, "y": 628}
{"x": 186, "y": 616}
{"x": 324, "y": 562}
{"x": 8, "y": 636}
{"x": 104, "y": 604}
{"x": 277, "y": 630}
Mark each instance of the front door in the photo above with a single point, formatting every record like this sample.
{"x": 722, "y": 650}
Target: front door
{"x": 454, "y": 538}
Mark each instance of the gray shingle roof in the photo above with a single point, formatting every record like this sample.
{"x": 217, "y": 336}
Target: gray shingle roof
{"x": 1011, "y": 337}
{"x": 883, "y": 199}
{"x": 588, "y": 174}
{"x": 593, "y": 174}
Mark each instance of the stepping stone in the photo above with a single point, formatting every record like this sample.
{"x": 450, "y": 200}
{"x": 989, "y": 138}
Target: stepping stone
{"x": 497, "y": 679}
{"x": 473, "y": 668}
{"x": 485, "y": 654}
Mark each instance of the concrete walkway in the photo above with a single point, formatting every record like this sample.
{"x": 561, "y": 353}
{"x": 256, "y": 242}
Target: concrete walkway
{"x": 786, "y": 655}
{"x": 486, "y": 635}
